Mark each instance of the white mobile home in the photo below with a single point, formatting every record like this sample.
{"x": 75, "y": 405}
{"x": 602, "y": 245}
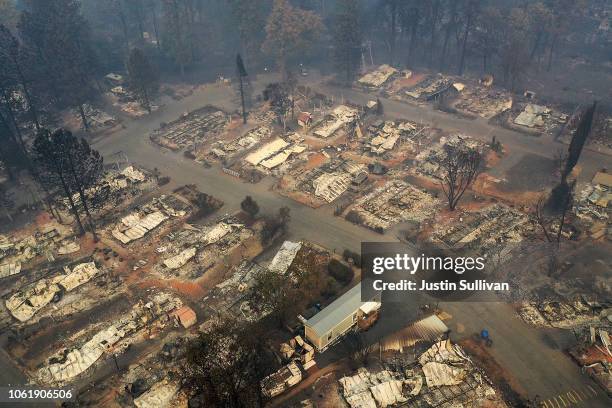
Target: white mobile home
{"x": 331, "y": 323}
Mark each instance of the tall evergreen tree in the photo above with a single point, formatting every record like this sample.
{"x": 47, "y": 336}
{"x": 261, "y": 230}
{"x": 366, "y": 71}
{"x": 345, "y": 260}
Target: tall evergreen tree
{"x": 72, "y": 168}
{"x": 289, "y": 30}
{"x": 178, "y": 32}
{"x": 348, "y": 37}
{"x": 250, "y": 17}
{"x": 12, "y": 76}
{"x": 50, "y": 152}
{"x": 58, "y": 48}
{"x": 144, "y": 81}
{"x": 86, "y": 167}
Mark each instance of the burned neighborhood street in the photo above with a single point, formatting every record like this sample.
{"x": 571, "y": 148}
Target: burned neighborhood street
{"x": 305, "y": 204}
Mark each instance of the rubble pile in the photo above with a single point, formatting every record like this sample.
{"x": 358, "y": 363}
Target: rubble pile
{"x": 331, "y": 180}
{"x": 159, "y": 395}
{"x": 338, "y": 119}
{"x": 27, "y": 301}
{"x": 442, "y": 376}
{"x": 283, "y": 379}
{"x": 377, "y": 78}
{"x": 594, "y": 353}
{"x": 429, "y": 162}
{"x": 384, "y": 136}
{"x": 395, "y": 202}
{"x": 592, "y": 205}
{"x": 14, "y": 252}
{"x": 560, "y": 314}
{"x": 233, "y": 295}
{"x": 482, "y": 101}
{"x": 204, "y": 245}
{"x": 68, "y": 363}
{"x": 298, "y": 349}
{"x": 540, "y": 117}
{"x": 191, "y": 128}
{"x": 429, "y": 88}
{"x": 139, "y": 223}
{"x": 96, "y": 118}
{"x": 484, "y": 229}
{"x": 117, "y": 186}
{"x": 223, "y": 150}
{"x": 284, "y": 257}
{"x": 273, "y": 154}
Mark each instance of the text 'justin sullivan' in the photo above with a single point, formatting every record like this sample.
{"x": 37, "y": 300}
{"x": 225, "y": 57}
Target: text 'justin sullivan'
{"x": 445, "y": 285}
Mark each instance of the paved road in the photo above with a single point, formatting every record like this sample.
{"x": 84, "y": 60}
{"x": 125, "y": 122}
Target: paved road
{"x": 536, "y": 361}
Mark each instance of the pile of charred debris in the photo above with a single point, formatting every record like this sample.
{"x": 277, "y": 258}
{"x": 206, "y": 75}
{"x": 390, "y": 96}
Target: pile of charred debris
{"x": 116, "y": 189}
{"x": 191, "y": 129}
{"x": 230, "y": 150}
{"x": 48, "y": 242}
{"x": 192, "y": 250}
{"x": 592, "y": 206}
{"x": 123, "y": 98}
{"x": 108, "y": 338}
{"x": 565, "y": 314}
{"x": 476, "y": 100}
{"x": 531, "y": 118}
{"x": 146, "y": 218}
{"x": 486, "y": 230}
{"x": 429, "y": 162}
{"x": 328, "y": 181}
{"x": 442, "y": 375}
{"x": 594, "y": 353}
{"x": 393, "y": 203}
{"x": 273, "y": 154}
{"x": 384, "y": 137}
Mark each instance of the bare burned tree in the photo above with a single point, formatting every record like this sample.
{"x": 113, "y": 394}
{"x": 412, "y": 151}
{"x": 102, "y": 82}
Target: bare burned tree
{"x": 460, "y": 168}
{"x": 552, "y": 224}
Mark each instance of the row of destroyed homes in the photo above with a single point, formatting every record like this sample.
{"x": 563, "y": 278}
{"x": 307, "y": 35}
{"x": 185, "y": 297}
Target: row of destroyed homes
{"x": 479, "y": 98}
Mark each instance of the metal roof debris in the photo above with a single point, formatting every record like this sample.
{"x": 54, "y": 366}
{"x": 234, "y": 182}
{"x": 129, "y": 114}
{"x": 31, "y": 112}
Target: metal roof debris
{"x": 284, "y": 257}
{"x": 378, "y": 77}
{"x": 266, "y": 151}
{"x": 181, "y": 259}
{"x": 69, "y": 363}
{"x": 24, "y": 303}
{"x": 283, "y": 379}
{"x": 341, "y": 116}
{"x": 9, "y": 269}
{"x": 160, "y": 395}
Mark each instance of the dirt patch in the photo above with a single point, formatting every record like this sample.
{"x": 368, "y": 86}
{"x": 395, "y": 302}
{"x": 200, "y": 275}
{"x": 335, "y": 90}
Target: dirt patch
{"x": 487, "y": 185}
{"x": 511, "y": 391}
{"x": 314, "y": 161}
{"x": 530, "y": 173}
{"x": 406, "y": 83}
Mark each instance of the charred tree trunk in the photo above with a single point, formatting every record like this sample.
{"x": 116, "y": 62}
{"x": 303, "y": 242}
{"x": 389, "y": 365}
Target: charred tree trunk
{"x": 449, "y": 28}
{"x": 26, "y": 93}
{"x": 553, "y": 43}
{"x": 73, "y": 207}
{"x": 154, "y": 15}
{"x": 393, "y": 29}
{"x": 83, "y": 118}
{"x": 79, "y": 186}
{"x": 241, "y": 84}
{"x": 468, "y": 27}
{"x": 434, "y": 21}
